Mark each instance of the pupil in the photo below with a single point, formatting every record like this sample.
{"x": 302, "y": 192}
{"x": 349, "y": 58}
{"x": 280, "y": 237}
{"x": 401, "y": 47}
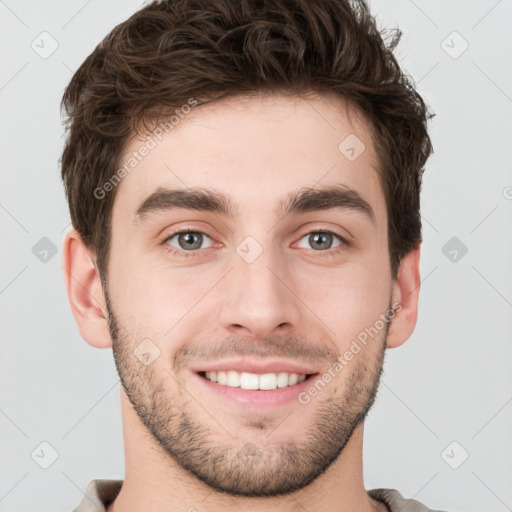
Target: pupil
{"x": 318, "y": 237}
{"x": 189, "y": 238}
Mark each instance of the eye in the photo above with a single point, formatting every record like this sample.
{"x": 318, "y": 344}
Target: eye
{"x": 322, "y": 240}
{"x": 188, "y": 243}
{"x": 186, "y": 240}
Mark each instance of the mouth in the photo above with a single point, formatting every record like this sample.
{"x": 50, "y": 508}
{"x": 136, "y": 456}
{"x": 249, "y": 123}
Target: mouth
{"x": 253, "y": 390}
{"x": 255, "y": 381}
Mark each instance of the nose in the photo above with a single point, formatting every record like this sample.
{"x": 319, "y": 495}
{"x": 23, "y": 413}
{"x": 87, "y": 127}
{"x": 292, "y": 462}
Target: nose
{"x": 258, "y": 299}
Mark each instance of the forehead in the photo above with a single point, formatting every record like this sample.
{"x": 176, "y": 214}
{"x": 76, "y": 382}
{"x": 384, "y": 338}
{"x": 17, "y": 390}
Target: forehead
{"x": 255, "y": 151}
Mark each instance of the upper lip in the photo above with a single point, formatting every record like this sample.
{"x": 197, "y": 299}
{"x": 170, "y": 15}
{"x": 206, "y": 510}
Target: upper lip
{"x": 254, "y": 366}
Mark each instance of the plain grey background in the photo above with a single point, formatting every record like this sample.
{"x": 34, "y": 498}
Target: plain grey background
{"x": 445, "y": 395}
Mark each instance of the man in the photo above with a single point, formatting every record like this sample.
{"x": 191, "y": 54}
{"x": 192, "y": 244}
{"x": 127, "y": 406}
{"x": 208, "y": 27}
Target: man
{"x": 243, "y": 180}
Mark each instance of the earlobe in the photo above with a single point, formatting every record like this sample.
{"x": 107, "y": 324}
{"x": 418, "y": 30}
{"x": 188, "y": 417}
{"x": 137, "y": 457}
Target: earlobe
{"x": 405, "y": 295}
{"x": 85, "y": 292}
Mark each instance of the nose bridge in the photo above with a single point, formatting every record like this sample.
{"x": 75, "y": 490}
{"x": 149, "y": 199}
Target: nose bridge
{"x": 257, "y": 300}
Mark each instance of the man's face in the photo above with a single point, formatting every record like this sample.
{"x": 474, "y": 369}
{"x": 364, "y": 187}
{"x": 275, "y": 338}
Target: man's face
{"x": 268, "y": 290}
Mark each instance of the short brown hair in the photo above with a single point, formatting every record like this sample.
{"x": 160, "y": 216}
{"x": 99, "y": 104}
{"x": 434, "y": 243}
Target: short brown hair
{"x": 170, "y": 51}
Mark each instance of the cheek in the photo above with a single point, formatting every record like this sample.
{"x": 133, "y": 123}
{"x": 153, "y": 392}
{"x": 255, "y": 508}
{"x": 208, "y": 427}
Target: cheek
{"x": 157, "y": 298}
{"x": 347, "y": 300}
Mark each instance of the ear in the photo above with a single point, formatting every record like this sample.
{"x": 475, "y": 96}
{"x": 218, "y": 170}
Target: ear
{"x": 406, "y": 289}
{"x": 85, "y": 291}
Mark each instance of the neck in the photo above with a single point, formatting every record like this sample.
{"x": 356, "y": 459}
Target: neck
{"x": 153, "y": 481}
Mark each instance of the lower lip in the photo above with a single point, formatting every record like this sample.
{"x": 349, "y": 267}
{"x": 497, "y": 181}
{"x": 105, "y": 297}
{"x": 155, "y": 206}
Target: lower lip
{"x": 250, "y": 398}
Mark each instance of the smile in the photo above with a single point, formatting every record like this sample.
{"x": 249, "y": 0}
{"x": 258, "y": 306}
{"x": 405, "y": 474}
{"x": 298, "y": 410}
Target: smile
{"x": 254, "y": 381}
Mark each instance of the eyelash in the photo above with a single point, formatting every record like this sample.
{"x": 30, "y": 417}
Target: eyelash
{"x": 194, "y": 253}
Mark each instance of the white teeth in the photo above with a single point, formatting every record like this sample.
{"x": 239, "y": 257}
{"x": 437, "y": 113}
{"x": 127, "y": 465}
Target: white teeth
{"x": 233, "y": 379}
{"x": 244, "y": 380}
{"x": 249, "y": 381}
{"x": 268, "y": 381}
{"x": 212, "y": 376}
{"x": 282, "y": 380}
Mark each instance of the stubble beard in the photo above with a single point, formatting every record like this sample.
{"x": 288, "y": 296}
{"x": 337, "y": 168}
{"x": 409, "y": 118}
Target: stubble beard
{"x": 241, "y": 467}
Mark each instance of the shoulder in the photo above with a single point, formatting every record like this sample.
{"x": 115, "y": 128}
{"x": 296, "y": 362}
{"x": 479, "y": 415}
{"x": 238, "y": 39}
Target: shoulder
{"x": 99, "y": 494}
{"x": 397, "y": 503}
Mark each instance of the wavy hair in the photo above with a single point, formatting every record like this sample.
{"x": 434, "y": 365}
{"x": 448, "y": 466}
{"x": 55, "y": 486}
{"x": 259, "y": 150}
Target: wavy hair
{"x": 172, "y": 50}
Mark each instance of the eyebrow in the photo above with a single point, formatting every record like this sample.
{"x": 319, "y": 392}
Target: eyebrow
{"x": 208, "y": 200}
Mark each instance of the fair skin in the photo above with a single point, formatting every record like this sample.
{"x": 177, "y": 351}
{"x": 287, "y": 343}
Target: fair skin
{"x": 294, "y": 304}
